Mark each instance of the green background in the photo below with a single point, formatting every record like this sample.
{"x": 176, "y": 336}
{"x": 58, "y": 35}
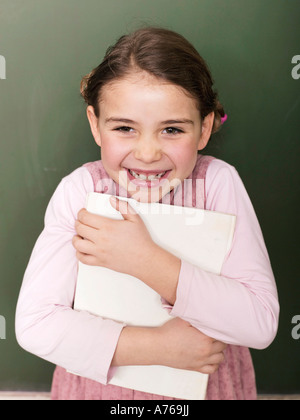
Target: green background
{"x": 44, "y": 135}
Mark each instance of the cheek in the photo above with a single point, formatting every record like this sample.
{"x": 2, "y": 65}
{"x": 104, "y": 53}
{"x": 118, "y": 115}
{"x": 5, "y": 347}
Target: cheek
{"x": 184, "y": 158}
{"x": 113, "y": 151}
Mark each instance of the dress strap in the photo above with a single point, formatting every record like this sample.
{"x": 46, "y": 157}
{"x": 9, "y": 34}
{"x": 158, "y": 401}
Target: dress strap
{"x": 98, "y": 175}
{"x": 102, "y": 181}
{"x": 199, "y": 173}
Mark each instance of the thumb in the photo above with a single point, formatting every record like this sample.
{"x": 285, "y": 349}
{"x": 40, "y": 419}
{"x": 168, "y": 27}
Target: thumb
{"x": 124, "y": 208}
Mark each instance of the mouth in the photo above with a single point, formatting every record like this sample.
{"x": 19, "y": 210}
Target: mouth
{"x": 147, "y": 178}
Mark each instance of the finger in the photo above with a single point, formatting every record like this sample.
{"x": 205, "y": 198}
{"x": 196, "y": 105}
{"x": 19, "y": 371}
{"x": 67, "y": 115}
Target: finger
{"x": 218, "y": 346}
{"x": 86, "y": 259}
{"x": 124, "y": 208}
{"x": 82, "y": 245}
{"x": 209, "y": 369}
{"x": 90, "y": 219}
{"x": 86, "y": 232}
{"x": 216, "y": 359}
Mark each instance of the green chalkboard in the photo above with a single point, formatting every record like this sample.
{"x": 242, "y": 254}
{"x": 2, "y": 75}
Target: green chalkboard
{"x": 47, "y": 46}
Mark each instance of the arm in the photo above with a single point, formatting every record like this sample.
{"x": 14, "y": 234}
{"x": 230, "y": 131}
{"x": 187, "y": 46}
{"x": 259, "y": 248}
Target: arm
{"x": 175, "y": 344}
{"x": 46, "y": 324}
{"x": 241, "y": 306}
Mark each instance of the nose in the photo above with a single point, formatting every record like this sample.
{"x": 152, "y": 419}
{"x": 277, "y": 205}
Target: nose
{"x": 148, "y": 149}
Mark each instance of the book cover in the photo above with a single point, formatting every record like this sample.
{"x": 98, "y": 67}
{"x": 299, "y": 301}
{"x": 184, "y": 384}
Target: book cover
{"x": 200, "y": 237}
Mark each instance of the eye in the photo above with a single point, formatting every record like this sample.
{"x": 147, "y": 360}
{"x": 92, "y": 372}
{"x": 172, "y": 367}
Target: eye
{"x": 124, "y": 129}
{"x": 172, "y": 130}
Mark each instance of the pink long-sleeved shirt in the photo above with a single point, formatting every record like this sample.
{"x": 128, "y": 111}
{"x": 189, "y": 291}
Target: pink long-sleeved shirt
{"x": 239, "y": 307}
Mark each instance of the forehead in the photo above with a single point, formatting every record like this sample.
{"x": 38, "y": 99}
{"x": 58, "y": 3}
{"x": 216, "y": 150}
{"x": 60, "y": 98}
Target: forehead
{"x": 142, "y": 92}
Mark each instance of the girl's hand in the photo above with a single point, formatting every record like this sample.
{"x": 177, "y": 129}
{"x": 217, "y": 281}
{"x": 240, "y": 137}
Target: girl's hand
{"x": 127, "y": 247}
{"x": 185, "y": 347}
{"x": 121, "y": 245}
{"x": 175, "y": 344}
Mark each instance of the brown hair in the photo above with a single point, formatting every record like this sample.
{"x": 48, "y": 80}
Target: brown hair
{"x": 164, "y": 54}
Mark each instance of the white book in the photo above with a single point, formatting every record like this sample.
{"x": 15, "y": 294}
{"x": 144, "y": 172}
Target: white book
{"x": 200, "y": 237}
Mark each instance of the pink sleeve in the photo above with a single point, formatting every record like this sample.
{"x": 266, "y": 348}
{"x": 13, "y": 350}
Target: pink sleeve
{"x": 240, "y": 306}
{"x": 46, "y": 324}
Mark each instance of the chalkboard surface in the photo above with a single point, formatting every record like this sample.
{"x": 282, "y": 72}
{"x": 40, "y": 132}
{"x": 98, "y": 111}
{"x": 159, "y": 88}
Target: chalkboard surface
{"x": 254, "y": 54}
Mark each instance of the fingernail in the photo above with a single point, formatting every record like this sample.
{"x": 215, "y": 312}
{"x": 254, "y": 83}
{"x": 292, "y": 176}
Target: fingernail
{"x": 131, "y": 210}
{"x": 113, "y": 200}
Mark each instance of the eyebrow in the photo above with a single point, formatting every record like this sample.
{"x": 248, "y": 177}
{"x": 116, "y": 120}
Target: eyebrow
{"x": 180, "y": 121}
{"x": 117, "y": 119}
{"x": 127, "y": 121}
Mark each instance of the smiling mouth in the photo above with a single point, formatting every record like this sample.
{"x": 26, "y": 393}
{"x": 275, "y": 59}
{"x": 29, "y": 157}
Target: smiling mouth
{"x": 147, "y": 177}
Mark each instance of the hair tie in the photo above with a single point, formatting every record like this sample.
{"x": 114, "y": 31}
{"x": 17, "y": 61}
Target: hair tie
{"x": 223, "y": 119}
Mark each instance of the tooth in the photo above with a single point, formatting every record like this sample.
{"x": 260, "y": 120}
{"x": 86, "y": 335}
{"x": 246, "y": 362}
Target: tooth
{"x": 145, "y": 177}
{"x": 135, "y": 174}
{"x": 160, "y": 175}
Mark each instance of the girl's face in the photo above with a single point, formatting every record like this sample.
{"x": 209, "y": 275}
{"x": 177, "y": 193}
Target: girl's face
{"x": 149, "y": 132}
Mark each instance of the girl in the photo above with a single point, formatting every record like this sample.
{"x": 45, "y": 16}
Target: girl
{"x": 151, "y": 108}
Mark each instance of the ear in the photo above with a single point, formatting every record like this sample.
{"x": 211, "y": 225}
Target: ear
{"x": 206, "y": 130}
{"x": 94, "y": 124}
